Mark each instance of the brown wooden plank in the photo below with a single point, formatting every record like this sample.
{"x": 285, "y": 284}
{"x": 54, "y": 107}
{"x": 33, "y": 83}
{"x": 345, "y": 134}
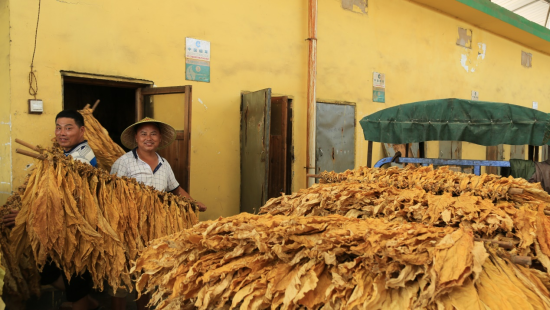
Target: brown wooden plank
{"x": 140, "y": 107}
{"x": 164, "y": 90}
{"x": 491, "y": 153}
{"x": 104, "y": 82}
{"x": 187, "y": 141}
{"x": 289, "y": 148}
{"x": 276, "y": 161}
{"x": 285, "y": 147}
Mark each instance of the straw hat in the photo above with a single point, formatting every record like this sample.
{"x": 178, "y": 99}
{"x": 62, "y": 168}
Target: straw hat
{"x": 168, "y": 134}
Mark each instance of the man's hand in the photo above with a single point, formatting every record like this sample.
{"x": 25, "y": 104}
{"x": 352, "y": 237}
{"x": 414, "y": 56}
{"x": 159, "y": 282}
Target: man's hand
{"x": 202, "y": 207}
{"x": 9, "y": 219}
{"x": 181, "y": 192}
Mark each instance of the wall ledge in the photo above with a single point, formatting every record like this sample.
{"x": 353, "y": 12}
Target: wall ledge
{"x": 496, "y": 19}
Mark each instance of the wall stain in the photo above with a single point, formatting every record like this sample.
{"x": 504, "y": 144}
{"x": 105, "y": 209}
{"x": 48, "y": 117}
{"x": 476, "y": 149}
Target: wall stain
{"x": 470, "y": 60}
{"x": 358, "y": 6}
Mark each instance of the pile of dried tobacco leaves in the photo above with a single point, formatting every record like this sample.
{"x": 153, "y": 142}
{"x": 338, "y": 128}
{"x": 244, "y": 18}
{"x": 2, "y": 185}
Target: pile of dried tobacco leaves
{"x": 82, "y": 219}
{"x": 413, "y": 238}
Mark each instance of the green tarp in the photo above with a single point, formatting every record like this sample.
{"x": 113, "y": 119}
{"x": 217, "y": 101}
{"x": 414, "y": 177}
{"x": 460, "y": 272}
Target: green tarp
{"x": 520, "y": 168}
{"x": 480, "y": 122}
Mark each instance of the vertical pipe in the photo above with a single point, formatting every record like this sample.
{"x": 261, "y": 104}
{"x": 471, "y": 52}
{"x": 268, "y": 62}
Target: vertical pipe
{"x": 311, "y": 89}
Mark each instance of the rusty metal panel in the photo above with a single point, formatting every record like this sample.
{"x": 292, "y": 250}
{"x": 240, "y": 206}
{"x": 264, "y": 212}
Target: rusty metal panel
{"x": 450, "y": 149}
{"x": 335, "y": 137}
{"x": 517, "y": 152}
{"x": 255, "y": 128}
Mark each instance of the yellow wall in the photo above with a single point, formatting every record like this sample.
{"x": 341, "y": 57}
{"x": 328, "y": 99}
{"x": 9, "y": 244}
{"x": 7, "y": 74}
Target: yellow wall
{"x": 5, "y": 116}
{"x": 256, "y": 45}
{"x": 416, "y": 48}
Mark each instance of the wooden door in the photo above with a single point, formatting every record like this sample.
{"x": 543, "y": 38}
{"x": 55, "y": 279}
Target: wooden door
{"x": 173, "y": 154}
{"x": 177, "y": 101}
{"x": 255, "y": 139}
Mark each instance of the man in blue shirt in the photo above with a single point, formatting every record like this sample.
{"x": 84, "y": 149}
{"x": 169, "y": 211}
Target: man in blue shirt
{"x": 69, "y": 133}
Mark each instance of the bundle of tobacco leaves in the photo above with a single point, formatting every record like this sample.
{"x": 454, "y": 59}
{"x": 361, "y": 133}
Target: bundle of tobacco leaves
{"x": 332, "y": 262}
{"x": 105, "y": 149}
{"x": 82, "y": 219}
{"x": 21, "y": 278}
{"x": 2, "y": 275}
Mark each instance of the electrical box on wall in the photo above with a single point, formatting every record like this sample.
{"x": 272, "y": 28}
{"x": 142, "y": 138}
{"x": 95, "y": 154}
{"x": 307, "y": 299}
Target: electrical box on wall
{"x": 36, "y": 106}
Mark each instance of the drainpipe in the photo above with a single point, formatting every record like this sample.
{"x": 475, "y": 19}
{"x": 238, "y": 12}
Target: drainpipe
{"x": 311, "y": 90}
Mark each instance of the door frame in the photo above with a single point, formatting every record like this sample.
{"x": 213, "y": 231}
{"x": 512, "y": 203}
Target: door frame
{"x": 142, "y": 88}
{"x": 102, "y": 80}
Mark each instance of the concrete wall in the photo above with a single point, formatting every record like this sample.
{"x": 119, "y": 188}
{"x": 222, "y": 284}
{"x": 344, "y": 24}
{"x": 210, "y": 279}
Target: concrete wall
{"x": 256, "y": 45}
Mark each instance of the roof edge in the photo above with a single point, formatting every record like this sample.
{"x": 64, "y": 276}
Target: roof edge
{"x": 496, "y": 19}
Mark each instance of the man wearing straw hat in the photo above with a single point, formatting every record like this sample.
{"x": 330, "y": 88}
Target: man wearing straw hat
{"x": 144, "y": 164}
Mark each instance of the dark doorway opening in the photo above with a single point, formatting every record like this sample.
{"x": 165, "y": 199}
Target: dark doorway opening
{"x": 116, "y": 109}
{"x": 280, "y": 148}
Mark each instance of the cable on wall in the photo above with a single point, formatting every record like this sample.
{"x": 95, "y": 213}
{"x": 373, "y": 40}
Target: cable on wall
{"x": 33, "y": 82}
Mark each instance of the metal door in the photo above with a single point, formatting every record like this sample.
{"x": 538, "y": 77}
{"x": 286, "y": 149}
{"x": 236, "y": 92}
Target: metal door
{"x": 255, "y": 129}
{"x": 335, "y": 137}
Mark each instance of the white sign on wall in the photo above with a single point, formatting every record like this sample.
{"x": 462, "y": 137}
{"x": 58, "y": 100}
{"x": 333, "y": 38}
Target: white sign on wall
{"x": 475, "y": 95}
{"x": 379, "y": 80}
{"x": 535, "y": 105}
{"x": 197, "y": 49}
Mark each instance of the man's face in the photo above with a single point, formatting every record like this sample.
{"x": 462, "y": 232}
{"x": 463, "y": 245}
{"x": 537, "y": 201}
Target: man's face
{"x": 148, "y": 137}
{"x": 67, "y": 133}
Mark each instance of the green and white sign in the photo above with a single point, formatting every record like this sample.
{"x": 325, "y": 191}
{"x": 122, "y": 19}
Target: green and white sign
{"x": 197, "y": 70}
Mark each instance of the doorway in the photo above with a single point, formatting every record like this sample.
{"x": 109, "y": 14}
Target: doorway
{"x": 266, "y": 148}
{"x": 117, "y": 108}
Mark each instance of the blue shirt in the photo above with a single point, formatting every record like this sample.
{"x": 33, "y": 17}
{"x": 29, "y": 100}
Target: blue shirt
{"x": 83, "y": 152}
